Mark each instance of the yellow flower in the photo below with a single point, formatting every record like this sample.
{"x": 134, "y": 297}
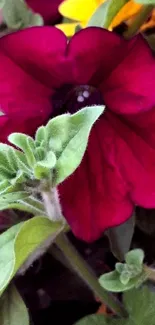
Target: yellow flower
{"x": 80, "y": 11}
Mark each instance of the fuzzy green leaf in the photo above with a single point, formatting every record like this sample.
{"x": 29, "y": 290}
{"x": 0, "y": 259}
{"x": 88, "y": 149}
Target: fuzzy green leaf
{"x": 41, "y": 135}
{"x": 12, "y": 308}
{"x": 124, "y": 278}
{"x": 111, "y": 282}
{"x": 42, "y": 168}
{"x": 19, "y": 242}
{"x": 13, "y": 197}
{"x": 70, "y": 135}
{"x": 7, "y": 254}
{"x": 25, "y": 143}
{"x": 57, "y": 130}
{"x": 140, "y": 305}
{"x": 29, "y": 204}
{"x": 135, "y": 257}
{"x": 2, "y": 2}
{"x": 119, "y": 267}
{"x": 106, "y": 12}
{"x": 19, "y": 179}
{"x": 4, "y": 158}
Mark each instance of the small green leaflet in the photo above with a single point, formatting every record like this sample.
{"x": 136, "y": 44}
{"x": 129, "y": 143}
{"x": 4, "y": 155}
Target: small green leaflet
{"x": 20, "y": 241}
{"x": 106, "y": 12}
{"x": 2, "y": 2}
{"x": 135, "y": 257}
{"x": 140, "y": 305}
{"x": 111, "y": 282}
{"x": 54, "y": 154}
{"x": 127, "y": 275}
{"x": 12, "y": 308}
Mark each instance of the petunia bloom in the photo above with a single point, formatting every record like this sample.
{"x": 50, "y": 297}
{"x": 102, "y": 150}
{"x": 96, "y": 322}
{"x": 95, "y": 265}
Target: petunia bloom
{"x": 42, "y": 75}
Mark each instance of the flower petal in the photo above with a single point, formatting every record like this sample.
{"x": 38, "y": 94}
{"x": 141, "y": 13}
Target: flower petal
{"x": 24, "y": 100}
{"x": 117, "y": 173}
{"x": 128, "y": 10}
{"x": 96, "y": 52}
{"x": 130, "y": 87}
{"x": 96, "y": 197}
{"x": 136, "y": 155}
{"x": 40, "y": 51}
{"x": 78, "y": 10}
{"x": 44, "y": 54}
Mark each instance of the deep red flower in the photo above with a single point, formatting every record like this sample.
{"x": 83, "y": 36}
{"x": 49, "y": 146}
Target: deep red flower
{"x": 41, "y": 74}
{"x": 47, "y": 8}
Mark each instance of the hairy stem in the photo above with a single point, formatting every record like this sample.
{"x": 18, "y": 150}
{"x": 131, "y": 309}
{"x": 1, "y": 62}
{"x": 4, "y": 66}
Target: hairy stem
{"x": 84, "y": 271}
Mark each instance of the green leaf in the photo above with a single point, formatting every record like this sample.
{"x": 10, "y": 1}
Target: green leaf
{"x": 2, "y": 2}
{"x": 25, "y": 143}
{"x": 5, "y": 174}
{"x": 135, "y": 257}
{"x": 19, "y": 242}
{"x": 4, "y": 158}
{"x": 19, "y": 179}
{"x": 106, "y": 12}
{"x": 32, "y": 234}
{"x": 42, "y": 168}
{"x": 140, "y": 305}
{"x": 124, "y": 278}
{"x": 13, "y": 197}
{"x": 120, "y": 238}
{"x": 73, "y": 138}
{"x": 12, "y": 308}
{"x": 111, "y": 282}
{"x": 41, "y": 135}
{"x": 3, "y": 185}
{"x": 7, "y": 254}
{"x": 57, "y": 130}
{"x": 119, "y": 267}
{"x": 29, "y": 204}
{"x": 18, "y": 15}
{"x": 21, "y": 162}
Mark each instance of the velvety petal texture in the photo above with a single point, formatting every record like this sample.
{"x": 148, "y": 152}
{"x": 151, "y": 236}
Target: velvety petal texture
{"x": 118, "y": 169}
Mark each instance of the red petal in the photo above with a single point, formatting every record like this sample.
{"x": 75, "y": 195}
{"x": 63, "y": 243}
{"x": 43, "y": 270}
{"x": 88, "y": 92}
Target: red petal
{"x": 96, "y": 197}
{"x": 96, "y": 52}
{"x": 130, "y": 87}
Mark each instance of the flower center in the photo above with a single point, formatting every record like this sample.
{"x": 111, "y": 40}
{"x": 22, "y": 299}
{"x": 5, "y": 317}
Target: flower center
{"x": 72, "y": 98}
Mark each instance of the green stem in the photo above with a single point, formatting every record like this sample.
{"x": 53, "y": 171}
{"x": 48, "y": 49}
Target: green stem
{"x": 150, "y": 272}
{"x": 141, "y": 17}
{"x": 84, "y": 271}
